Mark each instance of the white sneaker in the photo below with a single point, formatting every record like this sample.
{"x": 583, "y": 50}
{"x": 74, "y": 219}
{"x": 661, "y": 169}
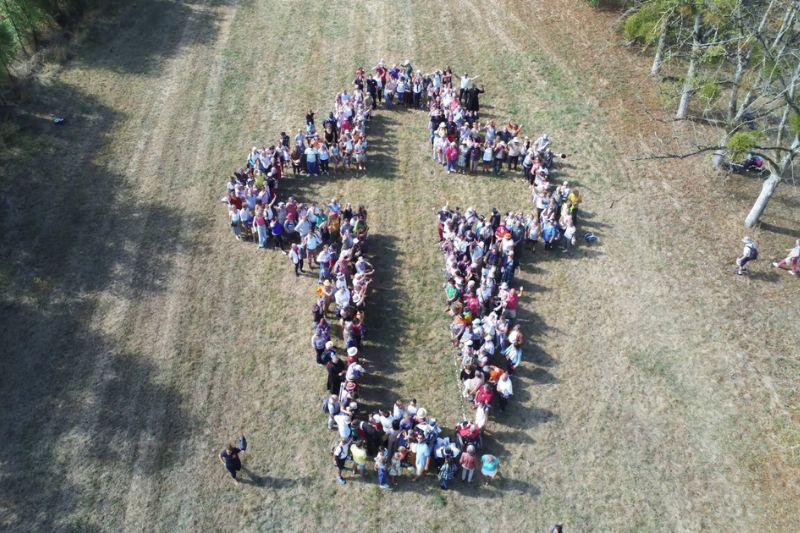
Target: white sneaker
{"x": 775, "y": 265}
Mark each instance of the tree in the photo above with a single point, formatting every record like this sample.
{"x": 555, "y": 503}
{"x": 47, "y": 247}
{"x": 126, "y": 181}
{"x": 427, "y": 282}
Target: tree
{"x": 688, "y": 83}
{"x": 7, "y": 50}
{"x": 734, "y": 47}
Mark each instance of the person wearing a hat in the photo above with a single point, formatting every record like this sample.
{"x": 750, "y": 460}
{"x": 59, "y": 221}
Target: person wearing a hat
{"x": 791, "y": 259}
{"x": 352, "y": 355}
{"x": 327, "y": 295}
{"x": 749, "y": 253}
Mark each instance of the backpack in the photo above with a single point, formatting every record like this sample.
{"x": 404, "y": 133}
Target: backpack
{"x": 752, "y": 252}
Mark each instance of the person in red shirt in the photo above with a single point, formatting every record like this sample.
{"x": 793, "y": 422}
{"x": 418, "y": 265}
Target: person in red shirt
{"x": 501, "y": 232}
{"x": 468, "y": 434}
{"x": 510, "y": 304}
{"x": 451, "y": 154}
{"x": 485, "y": 394}
{"x": 234, "y": 200}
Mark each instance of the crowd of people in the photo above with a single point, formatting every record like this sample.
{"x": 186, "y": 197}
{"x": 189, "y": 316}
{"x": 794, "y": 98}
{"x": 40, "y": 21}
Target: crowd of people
{"x": 254, "y": 212}
{"x": 481, "y": 259}
{"x": 403, "y": 438}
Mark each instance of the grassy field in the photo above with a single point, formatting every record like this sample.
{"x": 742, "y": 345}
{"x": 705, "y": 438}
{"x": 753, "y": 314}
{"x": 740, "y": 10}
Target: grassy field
{"x": 659, "y": 391}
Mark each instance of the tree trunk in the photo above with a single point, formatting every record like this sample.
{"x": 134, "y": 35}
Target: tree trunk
{"x": 662, "y": 39}
{"x": 13, "y": 22}
{"x": 770, "y": 184}
{"x": 686, "y": 95}
{"x": 737, "y": 81}
{"x": 750, "y": 97}
{"x": 718, "y": 158}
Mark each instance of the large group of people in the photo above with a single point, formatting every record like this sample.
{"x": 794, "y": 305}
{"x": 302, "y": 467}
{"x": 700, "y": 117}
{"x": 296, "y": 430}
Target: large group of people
{"x": 251, "y": 197}
{"x": 481, "y": 259}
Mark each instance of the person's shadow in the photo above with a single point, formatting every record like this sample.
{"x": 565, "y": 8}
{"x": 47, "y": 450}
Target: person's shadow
{"x": 264, "y": 482}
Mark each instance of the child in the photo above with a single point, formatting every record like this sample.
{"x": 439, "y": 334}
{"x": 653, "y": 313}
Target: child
{"x": 380, "y": 466}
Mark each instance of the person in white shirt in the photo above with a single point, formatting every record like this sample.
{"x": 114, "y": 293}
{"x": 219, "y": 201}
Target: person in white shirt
{"x": 340, "y": 452}
{"x": 342, "y": 298}
{"x": 312, "y": 165}
{"x": 296, "y": 255}
{"x": 749, "y": 253}
{"x": 354, "y": 372}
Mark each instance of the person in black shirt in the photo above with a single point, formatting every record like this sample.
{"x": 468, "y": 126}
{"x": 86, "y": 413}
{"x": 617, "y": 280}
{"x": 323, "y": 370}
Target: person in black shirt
{"x": 372, "y": 88}
{"x": 472, "y": 98}
{"x": 336, "y": 369}
{"x": 230, "y": 458}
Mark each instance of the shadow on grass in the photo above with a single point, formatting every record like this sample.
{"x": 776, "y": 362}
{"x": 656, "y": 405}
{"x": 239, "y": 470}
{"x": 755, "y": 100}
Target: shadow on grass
{"x": 254, "y": 479}
{"x": 780, "y": 230}
{"x": 114, "y": 39}
{"x": 385, "y": 319}
{"x": 73, "y": 400}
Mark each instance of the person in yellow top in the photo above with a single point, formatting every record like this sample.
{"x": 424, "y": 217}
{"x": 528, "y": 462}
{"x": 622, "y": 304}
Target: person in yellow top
{"x": 574, "y": 199}
{"x": 358, "y": 452}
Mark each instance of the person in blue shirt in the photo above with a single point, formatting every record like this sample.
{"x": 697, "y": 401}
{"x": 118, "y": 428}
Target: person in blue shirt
{"x": 489, "y": 465}
{"x": 549, "y": 234}
{"x": 276, "y": 228}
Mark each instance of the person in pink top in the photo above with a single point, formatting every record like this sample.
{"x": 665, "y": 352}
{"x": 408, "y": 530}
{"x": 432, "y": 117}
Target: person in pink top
{"x": 794, "y": 254}
{"x": 467, "y": 461}
{"x": 451, "y": 154}
{"x": 511, "y": 303}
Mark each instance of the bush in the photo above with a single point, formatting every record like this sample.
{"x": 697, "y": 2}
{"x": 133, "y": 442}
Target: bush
{"x": 742, "y": 142}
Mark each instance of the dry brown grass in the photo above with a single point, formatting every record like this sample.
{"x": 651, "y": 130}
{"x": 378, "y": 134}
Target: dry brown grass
{"x": 659, "y": 391}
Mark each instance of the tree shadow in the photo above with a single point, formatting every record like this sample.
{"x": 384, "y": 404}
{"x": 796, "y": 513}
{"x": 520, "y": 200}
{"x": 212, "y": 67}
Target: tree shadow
{"x": 78, "y": 408}
{"x": 113, "y": 40}
{"x": 74, "y": 401}
{"x": 780, "y": 230}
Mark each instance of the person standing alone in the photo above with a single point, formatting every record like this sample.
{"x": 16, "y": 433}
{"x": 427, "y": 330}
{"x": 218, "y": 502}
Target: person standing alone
{"x": 229, "y": 457}
{"x": 749, "y": 253}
